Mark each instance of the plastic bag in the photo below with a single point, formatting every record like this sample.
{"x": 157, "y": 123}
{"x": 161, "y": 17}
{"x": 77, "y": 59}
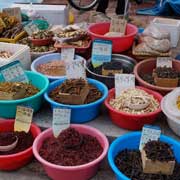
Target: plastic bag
{"x": 143, "y": 48}
{"x": 155, "y": 32}
{"x": 160, "y": 45}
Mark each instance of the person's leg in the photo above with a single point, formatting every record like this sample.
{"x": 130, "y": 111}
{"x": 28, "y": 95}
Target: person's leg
{"x": 120, "y": 7}
{"x": 102, "y": 6}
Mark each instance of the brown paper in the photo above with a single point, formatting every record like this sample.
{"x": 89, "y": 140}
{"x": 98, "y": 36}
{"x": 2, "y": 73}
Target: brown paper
{"x": 106, "y": 72}
{"x": 12, "y": 96}
{"x": 156, "y": 167}
{"x": 75, "y": 99}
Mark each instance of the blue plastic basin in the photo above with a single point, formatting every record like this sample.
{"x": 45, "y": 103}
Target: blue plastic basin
{"x": 8, "y": 107}
{"x": 131, "y": 141}
{"x": 48, "y": 58}
{"x": 80, "y": 113}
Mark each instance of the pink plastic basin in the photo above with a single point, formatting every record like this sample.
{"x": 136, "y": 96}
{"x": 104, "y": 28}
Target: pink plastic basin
{"x": 132, "y": 121}
{"x": 82, "y": 172}
{"x": 146, "y": 67}
{"x": 120, "y": 44}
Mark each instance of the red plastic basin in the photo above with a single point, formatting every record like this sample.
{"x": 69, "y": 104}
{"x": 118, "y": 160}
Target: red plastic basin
{"x": 42, "y": 42}
{"x": 146, "y": 67}
{"x": 132, "y": 121}
{"x": 18, "y": 160}
{"x": 120, "y": 44}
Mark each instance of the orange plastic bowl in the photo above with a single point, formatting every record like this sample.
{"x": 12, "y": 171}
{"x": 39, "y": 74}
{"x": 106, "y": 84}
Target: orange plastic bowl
{"x": 120, "y": 44}
{"x": 132, "y": 121}
{"x": 18, "y": 160}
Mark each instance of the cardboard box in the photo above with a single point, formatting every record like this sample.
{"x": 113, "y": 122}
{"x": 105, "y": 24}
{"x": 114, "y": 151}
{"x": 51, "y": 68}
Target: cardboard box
{"x": 156, "y": 167}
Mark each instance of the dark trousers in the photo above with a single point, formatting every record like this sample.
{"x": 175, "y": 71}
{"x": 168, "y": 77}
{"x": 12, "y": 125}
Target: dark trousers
{"x": 103, "y": 5}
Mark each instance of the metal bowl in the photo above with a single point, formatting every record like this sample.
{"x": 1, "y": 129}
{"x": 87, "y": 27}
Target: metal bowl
{"x": 128, "y": 64}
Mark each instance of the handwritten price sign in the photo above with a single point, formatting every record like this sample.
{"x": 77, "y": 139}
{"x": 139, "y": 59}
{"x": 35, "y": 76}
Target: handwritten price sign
{"x": 123, "y": 81}
{"x": 61, "y": 120}
{"x": 13, "y": 72}
{"x": 75, "y": 69}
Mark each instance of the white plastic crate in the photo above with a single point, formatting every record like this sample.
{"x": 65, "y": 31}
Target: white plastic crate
{"x": 170, "y": 25}
{"x": 55, "y": 14}
{"x": 20, "y": 52}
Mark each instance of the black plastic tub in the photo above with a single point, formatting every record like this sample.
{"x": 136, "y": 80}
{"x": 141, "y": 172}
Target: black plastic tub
{"x": 128, "y": 64}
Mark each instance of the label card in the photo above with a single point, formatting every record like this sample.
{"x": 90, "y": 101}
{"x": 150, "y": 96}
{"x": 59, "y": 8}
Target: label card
{"x": 13, "y": 72}
{"x": 61, "y": 120}
{"x": 118, "y": 25}
{"x": 23, "y": 119}
{"x": 123, "y": 81}
{"x": 75, "y": 69}
{"x": 101, "y": 52}
{"x": 31, "y": 28}
{"x": 149, "y": 133}
{"x": 16, "y": 12}
{"x": 164, "y": 61}
{"x": 67, "y": 54}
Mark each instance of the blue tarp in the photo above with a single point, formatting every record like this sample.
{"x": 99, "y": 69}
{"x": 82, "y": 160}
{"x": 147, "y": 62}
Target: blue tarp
{"x": 167, "y": 8}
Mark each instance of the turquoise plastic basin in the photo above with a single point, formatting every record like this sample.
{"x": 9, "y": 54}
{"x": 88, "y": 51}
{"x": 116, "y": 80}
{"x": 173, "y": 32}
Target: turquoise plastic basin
{"x": 8, "y": 107}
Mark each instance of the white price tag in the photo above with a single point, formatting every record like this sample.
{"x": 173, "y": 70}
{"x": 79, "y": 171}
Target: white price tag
{"x": 13, "y": 72}
{"x": 164, "y": 61}
{"x": 101, "y": 52}
{"x": 123, "y": 81}
{"x": 31, "y": 28}
{"x": 118, "y": 25}
{"x": 67, "y": 54}
{"x": 149, "y": 133}
{"x": 23, "y": 118}
{"x": 75, "y": 69}
{"x": 61, "y": 120}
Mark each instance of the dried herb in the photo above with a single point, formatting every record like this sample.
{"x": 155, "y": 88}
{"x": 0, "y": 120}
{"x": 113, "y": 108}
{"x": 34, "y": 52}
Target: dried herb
{"x": 161, "y": 72}
{"x": 74, "y": 87}
{"x": 9, "y": 87}
{"x": 160, "y": 151}
{"x": 25, "y": 140}
{"x": 55, "y": 150}
{"x": 43, "y": 34}
{"x": 165, "y": 72}
{"x": 113, "y": 65}
{"x": 129, "y": 163}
